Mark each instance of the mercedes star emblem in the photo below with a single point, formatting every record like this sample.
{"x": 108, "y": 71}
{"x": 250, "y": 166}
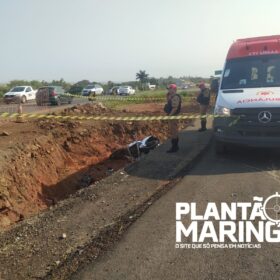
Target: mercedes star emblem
{"x": 265, "y": 116}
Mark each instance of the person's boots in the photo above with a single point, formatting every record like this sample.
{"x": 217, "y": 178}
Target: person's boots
{"x": 175, "y": 146}
{"x": 203, "y": 125}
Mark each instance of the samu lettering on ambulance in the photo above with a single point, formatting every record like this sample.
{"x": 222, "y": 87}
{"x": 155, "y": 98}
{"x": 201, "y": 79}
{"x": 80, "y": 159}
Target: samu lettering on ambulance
{"x": 261, "y": 99}
{"x": 248, "y": 227}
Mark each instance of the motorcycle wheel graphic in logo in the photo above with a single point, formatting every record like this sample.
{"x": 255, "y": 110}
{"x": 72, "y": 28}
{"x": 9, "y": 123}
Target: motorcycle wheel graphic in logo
{"x": 271, "y": 208}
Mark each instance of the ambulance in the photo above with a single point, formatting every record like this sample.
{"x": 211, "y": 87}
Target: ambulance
{"x": 247, "y": 110}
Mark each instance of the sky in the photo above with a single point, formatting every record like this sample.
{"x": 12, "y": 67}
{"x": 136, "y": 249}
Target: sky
{"x": 102, "y": 40}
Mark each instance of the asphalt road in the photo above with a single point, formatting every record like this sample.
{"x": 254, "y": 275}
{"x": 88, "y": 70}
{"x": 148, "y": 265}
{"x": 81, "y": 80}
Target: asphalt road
{"x": 147, "y": 250}
{"x": 31, "y": 107}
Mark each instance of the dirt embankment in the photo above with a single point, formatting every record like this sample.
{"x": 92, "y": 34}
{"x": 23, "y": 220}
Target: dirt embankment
{"x": 44, "y": 161}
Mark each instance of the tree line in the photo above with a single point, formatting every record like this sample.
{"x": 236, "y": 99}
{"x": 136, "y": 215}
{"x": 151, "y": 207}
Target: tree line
{"x": 142, "y": 81}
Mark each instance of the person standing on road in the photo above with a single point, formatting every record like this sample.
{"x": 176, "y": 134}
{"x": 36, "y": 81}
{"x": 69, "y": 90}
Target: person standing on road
{"x": 173, "y": 108}
{"x": 203, "y": 99}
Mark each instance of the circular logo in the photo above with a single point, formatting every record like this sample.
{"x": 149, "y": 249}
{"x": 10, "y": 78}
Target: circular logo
{"x": 265, "y": 93}
{"x": 271, "y": 208}
{"x": 264, "y": 116}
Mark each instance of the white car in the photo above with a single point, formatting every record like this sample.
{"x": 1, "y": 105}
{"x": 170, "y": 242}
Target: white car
{"x": 92, "y": 89}
{"x": 126, "y": 90}
{"x": 25, "y": 93}
{"x": 152, "y": 87}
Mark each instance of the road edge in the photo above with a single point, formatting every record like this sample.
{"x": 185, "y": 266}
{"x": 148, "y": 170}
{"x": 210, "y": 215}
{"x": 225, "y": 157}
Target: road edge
{"x": 111, "y": 234}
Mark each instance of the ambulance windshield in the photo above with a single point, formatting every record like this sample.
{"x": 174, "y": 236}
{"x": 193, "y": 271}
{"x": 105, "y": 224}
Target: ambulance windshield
{"x": 252, "y": 72}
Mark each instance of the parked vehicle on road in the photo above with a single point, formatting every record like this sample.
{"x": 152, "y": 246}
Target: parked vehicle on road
{"x": 92, "y": 90}
{"x": 126, "y": 90}
{"x": 53, "y": 95}
{"x": 25, "y": 93}
{"x": 152, "y": 87}
{"x": 248, "y": 100}
{"x": 114, "y": 90}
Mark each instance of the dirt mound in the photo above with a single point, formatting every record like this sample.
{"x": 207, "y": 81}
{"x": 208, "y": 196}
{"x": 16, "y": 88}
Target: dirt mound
{"x": 53, "y": 124}
{"x": 87, "y": 109}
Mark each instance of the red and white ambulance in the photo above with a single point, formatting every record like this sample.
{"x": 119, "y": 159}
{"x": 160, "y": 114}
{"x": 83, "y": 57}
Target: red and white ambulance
{"x": 249, "y": 95}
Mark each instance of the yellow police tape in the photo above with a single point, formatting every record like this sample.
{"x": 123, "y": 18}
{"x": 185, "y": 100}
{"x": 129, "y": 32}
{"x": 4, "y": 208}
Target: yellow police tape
{"x": 108, "y": 118}
{"x": 117, "y": 98}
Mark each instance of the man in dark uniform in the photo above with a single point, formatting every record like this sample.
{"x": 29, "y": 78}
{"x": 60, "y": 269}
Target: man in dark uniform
{"x": 173, "y": 108}
{"x": 203, "y": 99}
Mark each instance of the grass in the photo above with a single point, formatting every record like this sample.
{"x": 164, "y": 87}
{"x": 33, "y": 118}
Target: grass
{"x": 161, "y": 93}
{"x": 148, "y": 97}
